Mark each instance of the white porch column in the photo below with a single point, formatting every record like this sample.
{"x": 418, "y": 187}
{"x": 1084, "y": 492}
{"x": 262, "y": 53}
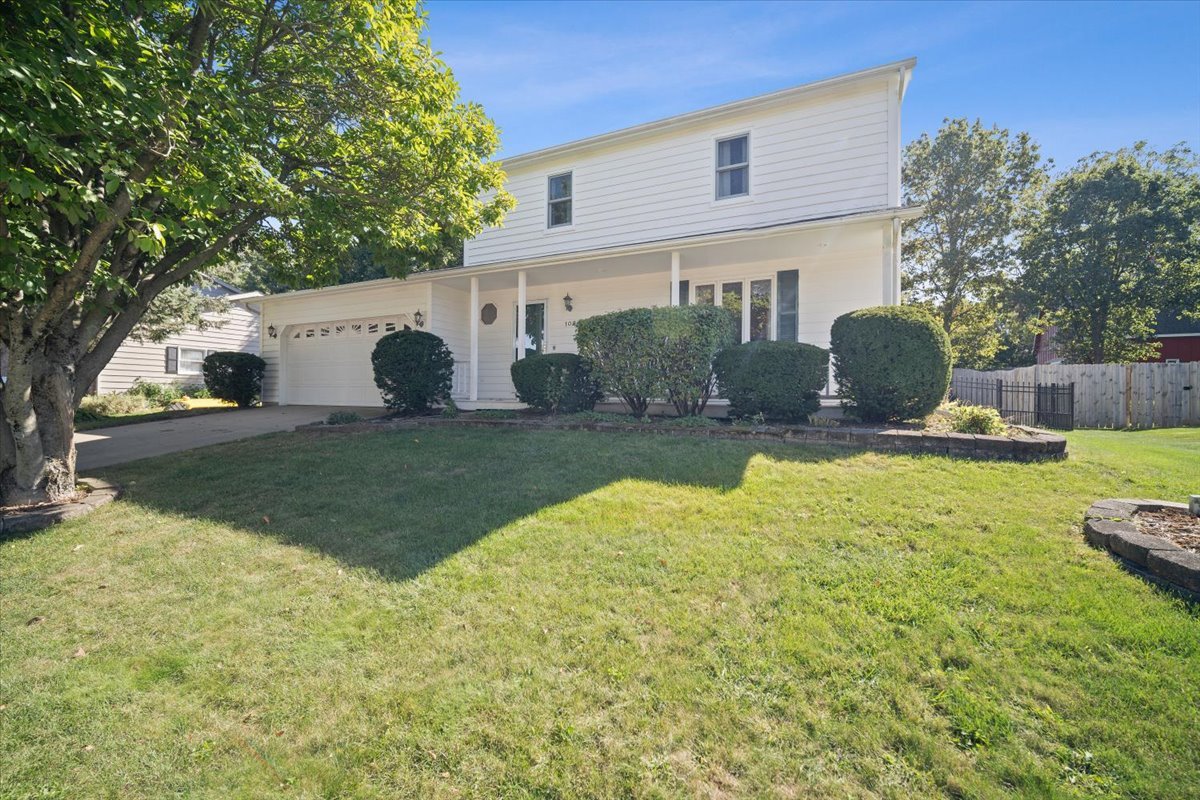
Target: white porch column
{"x": 473, "y": 381}
{"x": 521, "y": 314}
{"x": 674, "y": 277}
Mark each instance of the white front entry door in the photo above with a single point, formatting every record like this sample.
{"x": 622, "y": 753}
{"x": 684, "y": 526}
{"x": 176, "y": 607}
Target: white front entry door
{"x": 329, "y": 363}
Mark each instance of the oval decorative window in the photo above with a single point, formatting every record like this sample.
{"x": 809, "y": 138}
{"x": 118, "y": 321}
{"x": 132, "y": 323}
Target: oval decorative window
{"x": 487, "y": 314}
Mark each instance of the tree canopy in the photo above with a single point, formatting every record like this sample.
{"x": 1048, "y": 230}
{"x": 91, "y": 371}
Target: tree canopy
{"x": 141, "y": 141}
{"x": 1118, "y": 242}
{"x": 977, "y": 185}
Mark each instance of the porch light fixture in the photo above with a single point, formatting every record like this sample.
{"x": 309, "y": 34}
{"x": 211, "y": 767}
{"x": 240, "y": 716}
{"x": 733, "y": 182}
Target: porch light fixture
{"x": 567, "y": 302}
{"x": 419, "y": 318}
{"x": 271, "y": 331}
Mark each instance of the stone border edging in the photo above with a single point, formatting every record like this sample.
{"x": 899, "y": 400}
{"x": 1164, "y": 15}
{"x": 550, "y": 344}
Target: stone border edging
{"x": 1108, "y": 525}
{"x": 1038, "y": 446}
{"x": 101, "y": 493}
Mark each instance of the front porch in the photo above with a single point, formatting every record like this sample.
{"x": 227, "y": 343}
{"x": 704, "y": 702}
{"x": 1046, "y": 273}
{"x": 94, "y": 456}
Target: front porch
{"x": 784, "y": 285}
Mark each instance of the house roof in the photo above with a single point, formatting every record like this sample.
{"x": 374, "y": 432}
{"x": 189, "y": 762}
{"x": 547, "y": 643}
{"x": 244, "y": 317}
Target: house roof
{"x": 716, "y": 112}
{"x": 1172, "y": 322}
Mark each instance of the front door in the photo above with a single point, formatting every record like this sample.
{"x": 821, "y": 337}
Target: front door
{"x": 535, "y": 330}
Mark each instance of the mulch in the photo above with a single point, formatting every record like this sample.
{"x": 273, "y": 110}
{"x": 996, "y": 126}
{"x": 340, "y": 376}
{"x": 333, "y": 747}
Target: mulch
{"x": 1173, "y": 525}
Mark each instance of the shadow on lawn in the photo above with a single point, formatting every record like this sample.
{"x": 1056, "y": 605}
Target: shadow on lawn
{"x": 400, "y": 502}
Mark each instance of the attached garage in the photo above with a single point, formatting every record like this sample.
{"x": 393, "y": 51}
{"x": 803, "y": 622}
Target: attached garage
{"x": 329, "y": 363}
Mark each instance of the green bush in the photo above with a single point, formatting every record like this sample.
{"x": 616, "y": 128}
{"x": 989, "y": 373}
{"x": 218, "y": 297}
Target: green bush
{"x": 450, "y": 410}
{"x": 686, "y": 341}
{"x": 413, "y": 370}
{"x": 619, "y": 348}
{"x": 555, "y": 382}
{"x": 891, "y": 362}
{"x": 236, "y": 377}
{"x": 975, "y": 419}
{"x": 195, "y": 391}
{"x": 160, "y": 395}
{"x": 779, "y": 380}
{"x": 100, "y": 406}
{"x": 645, "y": 353}
{"x": 342, "y": 417}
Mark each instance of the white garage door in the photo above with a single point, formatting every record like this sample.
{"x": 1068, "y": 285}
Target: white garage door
{"x": 329, "y": 363}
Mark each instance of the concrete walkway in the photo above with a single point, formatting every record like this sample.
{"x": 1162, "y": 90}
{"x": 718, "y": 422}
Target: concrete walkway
{"x": 107, "y": 446}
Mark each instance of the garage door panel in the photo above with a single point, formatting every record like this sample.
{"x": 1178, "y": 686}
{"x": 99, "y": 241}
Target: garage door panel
{"x": 329, "y": 363}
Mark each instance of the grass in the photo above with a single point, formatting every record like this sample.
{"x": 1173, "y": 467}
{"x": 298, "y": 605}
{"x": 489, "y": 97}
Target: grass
{"x": 144, "y": 415}
{"x": 476, "y": 613}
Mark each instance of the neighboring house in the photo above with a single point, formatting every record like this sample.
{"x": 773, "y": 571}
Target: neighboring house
{"x": 1179, "y": 336}
{"x": 785, "y": 206}
{"x": 179, "y": 358}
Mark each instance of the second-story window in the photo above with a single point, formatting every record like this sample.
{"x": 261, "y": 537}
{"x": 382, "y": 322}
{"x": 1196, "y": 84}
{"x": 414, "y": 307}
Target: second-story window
{"x": 733, "y": 167}
{"x": 558, "y": 200}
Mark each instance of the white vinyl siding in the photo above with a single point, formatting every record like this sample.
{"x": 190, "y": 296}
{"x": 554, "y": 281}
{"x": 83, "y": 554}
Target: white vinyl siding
{"x": 817, "y": 157}
{"x": 146, "y": 361}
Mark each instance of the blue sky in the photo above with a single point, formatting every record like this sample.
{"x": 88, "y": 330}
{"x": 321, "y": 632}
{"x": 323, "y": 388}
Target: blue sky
{"x": 1079, "y": 77}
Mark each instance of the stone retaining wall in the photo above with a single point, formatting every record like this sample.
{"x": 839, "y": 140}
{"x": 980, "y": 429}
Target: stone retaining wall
{"x": 1109, "y": 526}
{"x": 1036, "y": 446}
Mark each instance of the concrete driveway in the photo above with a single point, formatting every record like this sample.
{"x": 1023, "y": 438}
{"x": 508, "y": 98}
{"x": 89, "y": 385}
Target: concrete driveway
{"x": 107, "y": 446}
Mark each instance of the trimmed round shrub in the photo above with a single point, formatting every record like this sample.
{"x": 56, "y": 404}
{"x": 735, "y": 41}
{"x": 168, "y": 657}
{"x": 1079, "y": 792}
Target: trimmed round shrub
{"x": 235, "y": 377}
{"x": 555, "y": 382}
{"x": 779, "y": 380}
{"x": 619, "y": 348}
{"x": 891, "y": 362}
{"x": 413, "y": 370}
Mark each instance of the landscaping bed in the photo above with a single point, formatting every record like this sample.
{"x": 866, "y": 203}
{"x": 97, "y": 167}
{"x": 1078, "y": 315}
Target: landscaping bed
{"x": 1159, "y": 540}
{"x": 1020, "y": 444}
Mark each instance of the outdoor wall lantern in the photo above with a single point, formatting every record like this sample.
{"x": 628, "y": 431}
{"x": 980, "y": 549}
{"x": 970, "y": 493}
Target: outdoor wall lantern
{"x": 271, "y": 331}
{"x": 567, "y": 302}
{"x": 419, "y": 318}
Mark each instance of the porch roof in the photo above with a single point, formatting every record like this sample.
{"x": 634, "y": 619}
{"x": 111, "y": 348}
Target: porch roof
{"x": 618, "y": 260}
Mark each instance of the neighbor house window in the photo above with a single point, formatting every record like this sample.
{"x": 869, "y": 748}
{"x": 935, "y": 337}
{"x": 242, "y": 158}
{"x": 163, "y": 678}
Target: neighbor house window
{"x": 191, "y": 362}
{"x": 733, "y": 167}
{"x": 558, "y": 200}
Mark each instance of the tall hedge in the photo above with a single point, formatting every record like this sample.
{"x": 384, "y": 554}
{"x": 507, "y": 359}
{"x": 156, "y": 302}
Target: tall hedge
{"x": 891, "y": 362}
{"x": 780, "y": 380}
{"x": 236, "y": 377}
{"x": 413, "y": 370}
{"x": 619, "y": 347}
{"x": 555, "y": 382}
{"x": 642, "y": 354}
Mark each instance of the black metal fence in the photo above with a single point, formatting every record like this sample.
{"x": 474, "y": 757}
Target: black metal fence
{"x": 1039, "y": 405}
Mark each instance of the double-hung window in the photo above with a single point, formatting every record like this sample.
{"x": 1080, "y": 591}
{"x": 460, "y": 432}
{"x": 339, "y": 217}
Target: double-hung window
{"x": 191, "y": 362}
{"x": 558, "y": 200}
{"x": 733, "y": 167}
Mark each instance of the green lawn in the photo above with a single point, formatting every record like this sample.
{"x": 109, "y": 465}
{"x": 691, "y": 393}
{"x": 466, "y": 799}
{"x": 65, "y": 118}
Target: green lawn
{"x": 468, "y": 613}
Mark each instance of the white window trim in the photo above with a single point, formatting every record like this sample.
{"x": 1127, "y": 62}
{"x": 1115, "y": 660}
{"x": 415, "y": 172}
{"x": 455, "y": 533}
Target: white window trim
{"x": 546, "y": 202}
{"x": 717, "y": 283}
{"x": 714, "y": 146}
{"x": 179, "y": 368}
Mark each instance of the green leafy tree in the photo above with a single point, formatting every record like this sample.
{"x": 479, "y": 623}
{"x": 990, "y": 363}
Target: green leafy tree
{"x": 977, "y": 185}
{"x": 142, "y": 141}
{"x": 1119, "y": 241}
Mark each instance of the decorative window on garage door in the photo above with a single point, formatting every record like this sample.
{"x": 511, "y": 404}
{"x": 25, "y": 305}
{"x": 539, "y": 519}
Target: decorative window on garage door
{"x": 346, "y": 329}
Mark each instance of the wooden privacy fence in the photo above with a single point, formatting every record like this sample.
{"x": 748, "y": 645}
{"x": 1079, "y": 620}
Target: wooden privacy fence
{"x": 1115, "y": 395}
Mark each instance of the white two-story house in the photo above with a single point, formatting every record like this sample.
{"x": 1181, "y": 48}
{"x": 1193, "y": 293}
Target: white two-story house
{"x": 784, "y": 207}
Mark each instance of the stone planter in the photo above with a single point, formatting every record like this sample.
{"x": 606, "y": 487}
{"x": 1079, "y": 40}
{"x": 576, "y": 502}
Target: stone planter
{"x": 1109, "y": 525}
